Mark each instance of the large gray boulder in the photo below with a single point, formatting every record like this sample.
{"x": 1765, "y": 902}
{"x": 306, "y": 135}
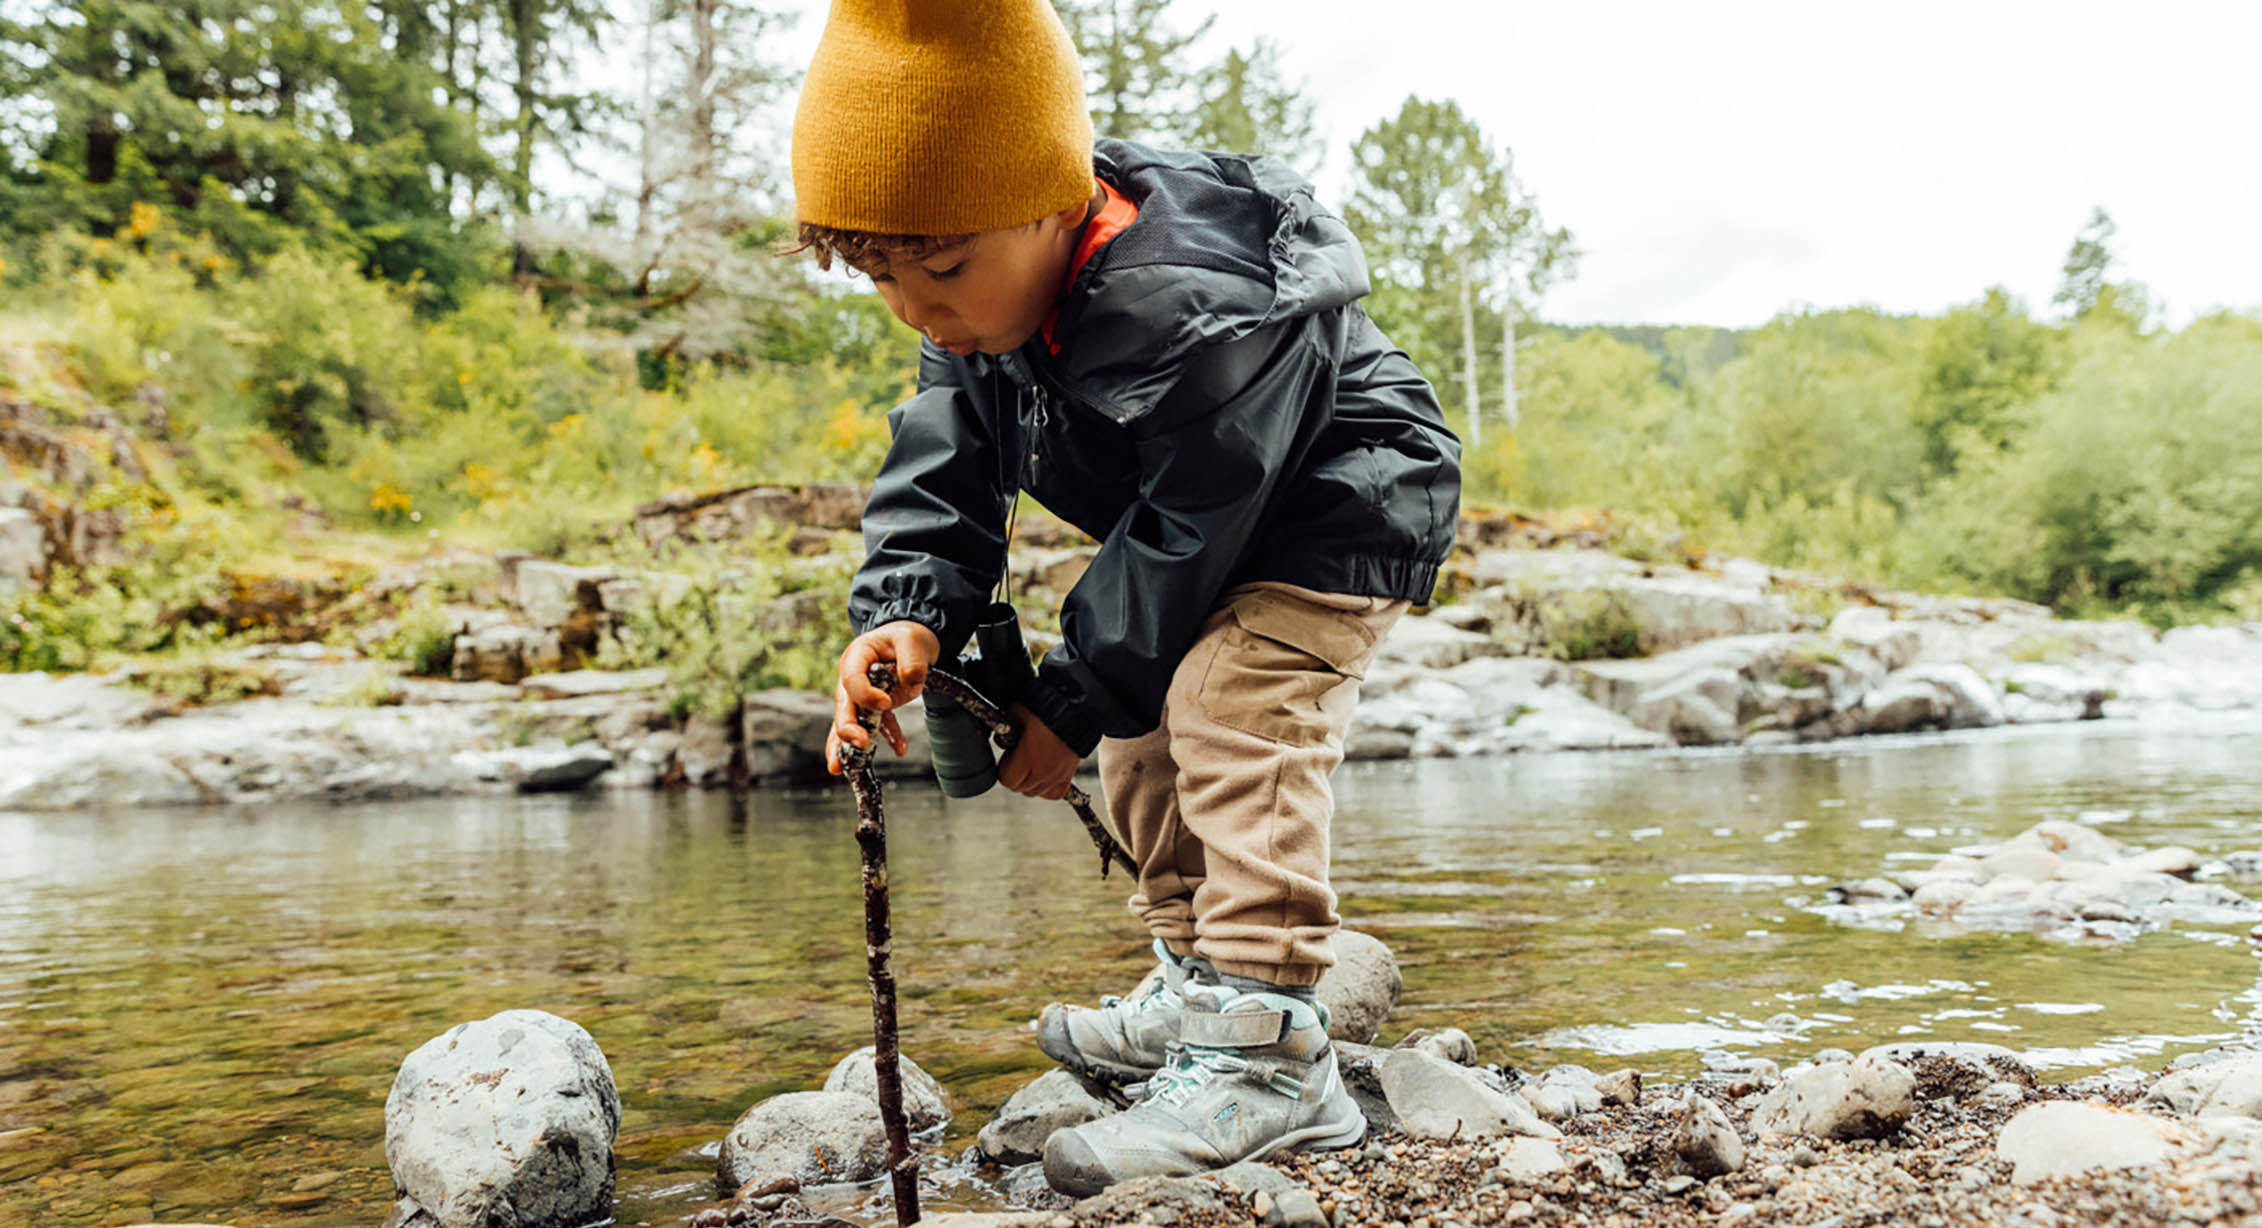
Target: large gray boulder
{"x": 1434, "y": 1098}
{"x": 1666, "y": 607}
{"x": 583, "y": 683}
{"x": 924, "y": 1105}
{"x": 822, "y": 1138}
{"x": 1721, "y": 690}
{"x": 1434, "y": 644}
{"x": 1360, "y": 991}
{"x": 1931, "y": 696}
{"x": 504, "y": 1122}
{"x": 550, "y": 767}
{"x": 784, "y": 732}
{"x": 1055, "y": 1100}
{"x": 550, "y": 593}
{"x": 487, "y": 650}
{"x": 1868, "y": 1097}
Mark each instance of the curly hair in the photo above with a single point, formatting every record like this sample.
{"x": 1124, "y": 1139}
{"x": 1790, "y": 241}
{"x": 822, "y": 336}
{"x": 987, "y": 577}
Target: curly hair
{"x": 864, "y": 250}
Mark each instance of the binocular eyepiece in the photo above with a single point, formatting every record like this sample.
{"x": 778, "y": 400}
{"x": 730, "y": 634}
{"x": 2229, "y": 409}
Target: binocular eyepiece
{"x": 997, "y": 666}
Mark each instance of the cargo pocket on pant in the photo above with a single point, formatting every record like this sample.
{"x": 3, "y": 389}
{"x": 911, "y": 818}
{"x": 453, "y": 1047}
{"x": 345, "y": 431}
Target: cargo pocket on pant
{"x": 1286, "y": 670}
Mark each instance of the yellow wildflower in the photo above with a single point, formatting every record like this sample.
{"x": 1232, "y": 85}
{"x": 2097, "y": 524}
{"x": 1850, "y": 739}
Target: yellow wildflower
{"x": 483, "y": 481}
{"x": 146, "y": 219}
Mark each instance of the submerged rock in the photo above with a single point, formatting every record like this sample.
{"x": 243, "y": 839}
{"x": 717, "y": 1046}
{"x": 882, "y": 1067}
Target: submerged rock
{"x": 2061, "y": 879}
{"x": 505, "y": 1122}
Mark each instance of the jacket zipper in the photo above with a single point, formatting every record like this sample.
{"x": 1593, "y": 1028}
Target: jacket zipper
{"x": 1040, "y": 418}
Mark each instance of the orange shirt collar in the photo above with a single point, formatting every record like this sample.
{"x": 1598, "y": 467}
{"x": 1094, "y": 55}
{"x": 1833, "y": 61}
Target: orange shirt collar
{"x": 1113, "y": 216}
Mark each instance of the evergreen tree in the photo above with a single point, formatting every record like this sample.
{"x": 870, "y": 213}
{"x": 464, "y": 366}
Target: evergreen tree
{"x": 1248, "y": 106}
{"x": 2085, "y": 278}
{"x": 1451, "y": 239}
{"x": 259, "y": 122}
{"x": 543, "y": 109}
{"x": 1137, "y": 78}
{"x": 1147, "y": 80}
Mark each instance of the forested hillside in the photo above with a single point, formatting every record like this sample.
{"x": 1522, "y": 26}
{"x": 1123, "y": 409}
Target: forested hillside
{"x": 299, "y": 288}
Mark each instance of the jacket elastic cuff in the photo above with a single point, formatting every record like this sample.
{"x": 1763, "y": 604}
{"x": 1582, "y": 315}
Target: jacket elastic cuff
{"x": 926, "y": 614}
{"x": 1065, "y": 717}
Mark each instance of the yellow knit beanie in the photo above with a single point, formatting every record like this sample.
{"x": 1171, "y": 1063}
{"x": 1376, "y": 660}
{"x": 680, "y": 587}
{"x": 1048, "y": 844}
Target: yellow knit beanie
{"x": 940, "y": 117}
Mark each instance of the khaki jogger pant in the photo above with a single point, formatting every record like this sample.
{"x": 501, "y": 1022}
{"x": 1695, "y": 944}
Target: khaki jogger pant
{"x": 1225, "y": 806}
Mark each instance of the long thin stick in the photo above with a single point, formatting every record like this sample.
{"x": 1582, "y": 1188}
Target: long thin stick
{"x": 872, "y": 839}
{"x": 1003, "y": 732}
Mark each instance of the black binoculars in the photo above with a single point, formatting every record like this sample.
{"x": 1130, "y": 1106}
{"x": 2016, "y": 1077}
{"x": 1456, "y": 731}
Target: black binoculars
{"x": 997, "y": 666}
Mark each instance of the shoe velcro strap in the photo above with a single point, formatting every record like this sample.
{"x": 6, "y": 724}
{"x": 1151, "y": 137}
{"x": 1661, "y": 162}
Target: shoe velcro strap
{"x": 1237, "y": 1030}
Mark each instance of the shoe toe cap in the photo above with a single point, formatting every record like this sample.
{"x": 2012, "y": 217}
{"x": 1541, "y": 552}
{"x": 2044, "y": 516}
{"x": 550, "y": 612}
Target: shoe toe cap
{"x": 1052, "y": 1034}
{"x": 1072, "y": 1167}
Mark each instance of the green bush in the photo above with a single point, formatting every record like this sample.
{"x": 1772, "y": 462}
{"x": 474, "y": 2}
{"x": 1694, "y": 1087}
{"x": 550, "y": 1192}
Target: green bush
{"x": 85, "y": 617}
{"x": 423, "y": 636}
{"x": 726, "y": 621}
{"x": 1589, "y": 624}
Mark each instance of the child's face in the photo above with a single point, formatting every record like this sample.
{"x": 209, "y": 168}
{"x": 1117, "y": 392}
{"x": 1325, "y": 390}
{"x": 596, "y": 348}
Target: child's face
{"x": 987, "y": 294}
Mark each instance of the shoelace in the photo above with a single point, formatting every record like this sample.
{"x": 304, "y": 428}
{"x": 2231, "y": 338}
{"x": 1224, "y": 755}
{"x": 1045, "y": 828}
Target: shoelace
{"x": 1163, "y": 996}
{"x": 1185, "y": 1069}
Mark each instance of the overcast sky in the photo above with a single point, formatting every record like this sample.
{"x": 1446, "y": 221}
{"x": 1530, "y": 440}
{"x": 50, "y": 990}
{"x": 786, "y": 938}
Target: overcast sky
{"x": 1719, "y": 162}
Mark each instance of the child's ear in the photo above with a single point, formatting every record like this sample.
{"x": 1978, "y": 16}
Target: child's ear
{"x": 1074, "y": 216}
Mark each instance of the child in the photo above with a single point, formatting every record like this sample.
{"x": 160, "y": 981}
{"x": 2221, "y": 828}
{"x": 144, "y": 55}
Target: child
{"x": 1167, "y": 351}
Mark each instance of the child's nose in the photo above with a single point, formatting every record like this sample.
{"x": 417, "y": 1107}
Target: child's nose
{"x": 920, "y": 309}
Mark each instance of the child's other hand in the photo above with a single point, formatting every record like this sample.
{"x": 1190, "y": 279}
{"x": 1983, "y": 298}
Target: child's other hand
{"x": 1040, "y": 764}
{"x": 913, "y": 648}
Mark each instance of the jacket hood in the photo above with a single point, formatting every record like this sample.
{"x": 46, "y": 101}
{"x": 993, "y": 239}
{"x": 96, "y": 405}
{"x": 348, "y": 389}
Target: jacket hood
{"x": 1224, "y": 245}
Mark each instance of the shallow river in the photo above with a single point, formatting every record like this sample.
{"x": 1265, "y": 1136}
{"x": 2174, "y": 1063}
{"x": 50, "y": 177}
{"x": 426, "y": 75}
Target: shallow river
{"x": 201, "y": 1012}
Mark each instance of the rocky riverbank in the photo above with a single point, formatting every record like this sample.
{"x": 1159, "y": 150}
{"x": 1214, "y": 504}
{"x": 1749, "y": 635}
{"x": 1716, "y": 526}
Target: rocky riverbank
{"x": 1540, "y": 643}
{"x": 1925, "y": 1134}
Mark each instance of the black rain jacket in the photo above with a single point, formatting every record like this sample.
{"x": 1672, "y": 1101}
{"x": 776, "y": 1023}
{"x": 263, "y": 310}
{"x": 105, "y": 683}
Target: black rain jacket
{"x": 1221, "y": 412}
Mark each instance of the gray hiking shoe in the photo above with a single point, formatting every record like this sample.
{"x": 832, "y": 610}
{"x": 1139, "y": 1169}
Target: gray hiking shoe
{"x": 1124, "y": 1040}
{"x": 1251, "y": 1076}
